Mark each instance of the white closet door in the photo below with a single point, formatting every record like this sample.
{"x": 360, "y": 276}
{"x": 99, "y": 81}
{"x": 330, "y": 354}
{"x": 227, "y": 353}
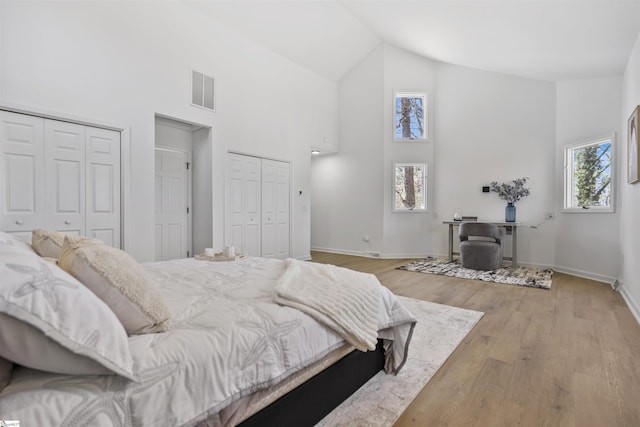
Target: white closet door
{"x": 244, "y": 204}
{"x": 171, "y": 203}
{"x": 275, "y": 209}
{"x": 103, "y": 185}
{"x": 283, "y": 209}
{"x": 22, "y": 194}
{"x": 65, "y": 177}
{"x": 269, "y": 210}
{"x": 234, "y": 202}
{"x": 252, "y": 203}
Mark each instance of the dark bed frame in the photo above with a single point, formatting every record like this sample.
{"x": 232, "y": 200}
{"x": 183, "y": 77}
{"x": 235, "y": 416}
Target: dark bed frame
{"x": 312, "y": 400}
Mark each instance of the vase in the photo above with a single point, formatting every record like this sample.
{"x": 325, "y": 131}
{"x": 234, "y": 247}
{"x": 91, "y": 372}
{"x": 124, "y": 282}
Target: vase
{"x": 510, "y": 213}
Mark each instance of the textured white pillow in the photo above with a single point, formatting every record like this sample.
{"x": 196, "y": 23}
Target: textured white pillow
{"x": 117, "y": 279}
{"x": 47, "y": 243}
{"x": 51, "y": 322}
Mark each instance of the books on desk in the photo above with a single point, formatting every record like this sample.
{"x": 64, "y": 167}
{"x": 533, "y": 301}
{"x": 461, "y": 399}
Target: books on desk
{"x": 467, "y": 218}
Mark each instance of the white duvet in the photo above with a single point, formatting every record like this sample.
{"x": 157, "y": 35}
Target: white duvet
{"x": 228, "y": 339}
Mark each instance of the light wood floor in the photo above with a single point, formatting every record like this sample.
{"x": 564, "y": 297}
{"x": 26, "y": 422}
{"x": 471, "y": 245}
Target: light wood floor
{"x": 569, "y": 356}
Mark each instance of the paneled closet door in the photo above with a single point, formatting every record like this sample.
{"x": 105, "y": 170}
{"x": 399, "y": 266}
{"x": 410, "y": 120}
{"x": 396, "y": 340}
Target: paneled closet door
{"x": 22, "y": 168}
{"x": 171, "y": 199}
{"x": 243, "y": 200}
{"x": 65, "y": 177}
{"x": 103, "y": 185}
{"x": 283, "y": 209}
{"x": 275, "y": 209}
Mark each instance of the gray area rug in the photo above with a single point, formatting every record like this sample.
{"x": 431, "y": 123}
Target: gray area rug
{"x": 384, "y": 398}
{"x": 521, "y": 276}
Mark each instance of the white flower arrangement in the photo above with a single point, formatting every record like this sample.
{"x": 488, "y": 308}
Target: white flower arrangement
{"x": 511, "y": 192}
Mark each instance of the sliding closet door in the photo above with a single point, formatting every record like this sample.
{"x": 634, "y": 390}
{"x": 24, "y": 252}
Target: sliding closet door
{"x": 103, "y": 185}
{"x": 65, "y": 177}
{"x": 22, "y": 195}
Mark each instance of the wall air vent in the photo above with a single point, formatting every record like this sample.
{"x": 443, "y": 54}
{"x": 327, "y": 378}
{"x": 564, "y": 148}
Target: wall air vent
{"x": 202, "y": 91}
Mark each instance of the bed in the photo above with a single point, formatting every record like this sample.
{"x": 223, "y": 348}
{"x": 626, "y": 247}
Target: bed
{"x": 215, "y": 348}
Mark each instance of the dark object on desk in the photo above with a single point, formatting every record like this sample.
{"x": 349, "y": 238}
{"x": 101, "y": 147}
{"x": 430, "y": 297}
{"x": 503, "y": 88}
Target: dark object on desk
{"x": 469, "y": 218}
{"x": 480, "y": 254}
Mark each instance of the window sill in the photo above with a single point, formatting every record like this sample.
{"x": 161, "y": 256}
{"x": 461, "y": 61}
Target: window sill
{"x": 591, "y": 210}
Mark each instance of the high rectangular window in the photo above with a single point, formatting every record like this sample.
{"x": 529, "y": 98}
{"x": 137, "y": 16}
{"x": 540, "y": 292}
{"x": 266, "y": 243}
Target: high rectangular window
{"x": 410, "y": 187}
{"x": 411, "y": 117}
{"x": 588, "y": 184}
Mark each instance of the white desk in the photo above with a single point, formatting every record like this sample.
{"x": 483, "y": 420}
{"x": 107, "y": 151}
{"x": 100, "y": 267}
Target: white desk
{"x": 508, "y": 226}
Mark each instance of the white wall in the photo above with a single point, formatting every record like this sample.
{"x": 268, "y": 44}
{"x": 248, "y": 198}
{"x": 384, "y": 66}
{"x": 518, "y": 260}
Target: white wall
{"x": 486, "y": 126}
{"x": 121, "y": 63}
{"x": 496, "y": 127}
{"x": 630, "y": 194}
{"x": 347, "y": 200}
{"x": 588, "y": 244}
{"x": 407, "y": 234}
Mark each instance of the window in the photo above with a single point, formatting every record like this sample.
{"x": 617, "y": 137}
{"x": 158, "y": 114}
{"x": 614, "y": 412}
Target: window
{"x": 409, "y": 187}
{"x": 410, "y": 118}
{"x": 588, "y": 172}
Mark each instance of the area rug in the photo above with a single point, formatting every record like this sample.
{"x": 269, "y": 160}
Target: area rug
{"x": 381, "y": 401}
{"x": 521, "y": 276}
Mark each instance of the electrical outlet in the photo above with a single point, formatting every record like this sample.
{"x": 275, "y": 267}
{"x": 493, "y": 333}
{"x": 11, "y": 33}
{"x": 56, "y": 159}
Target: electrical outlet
{"x": 548, "y": 215}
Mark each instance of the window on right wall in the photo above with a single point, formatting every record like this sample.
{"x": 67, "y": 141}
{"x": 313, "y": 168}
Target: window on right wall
{"x": 588, "y": 172}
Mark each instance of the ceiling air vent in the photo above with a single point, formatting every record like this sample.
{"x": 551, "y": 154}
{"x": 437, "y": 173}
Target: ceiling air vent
{"x": 202, "y": 91}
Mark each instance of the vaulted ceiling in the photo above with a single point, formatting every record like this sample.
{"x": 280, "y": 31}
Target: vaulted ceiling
{"x": 552, "y": 40}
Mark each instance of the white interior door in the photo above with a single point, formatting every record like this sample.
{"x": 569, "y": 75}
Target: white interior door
{"x": 65, "y": 177}
{"x": 243, "y": 203}
{"x": 103, "y": 185}
{"x": 269, "y": 210}
{"x": 22, "y": 192}
{"x": 172, "y": 208}
{"x": 283, "y": 209}
{"x": 275, "y": 209}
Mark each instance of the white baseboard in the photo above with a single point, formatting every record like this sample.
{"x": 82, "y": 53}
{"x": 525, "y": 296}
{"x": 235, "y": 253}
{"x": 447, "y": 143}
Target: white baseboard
{"x": 344, "y": 252}
{"x": 635, "y": 310}
{"x": 585, "y": 274}
{"x": 304, "y": 257}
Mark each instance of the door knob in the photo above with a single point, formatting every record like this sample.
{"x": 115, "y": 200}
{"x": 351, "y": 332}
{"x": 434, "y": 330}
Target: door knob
{"x": 67, "y": 222}
{"x": 19, "y": 222}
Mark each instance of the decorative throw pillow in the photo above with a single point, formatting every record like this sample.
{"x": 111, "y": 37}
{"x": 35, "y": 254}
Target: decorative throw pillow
{"x": 51, "y": 322}
{"x": 117, "y": 279}
{"x": 47, "y": 243}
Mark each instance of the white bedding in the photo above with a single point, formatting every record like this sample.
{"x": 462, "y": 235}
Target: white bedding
{"x": 228, "y": 339}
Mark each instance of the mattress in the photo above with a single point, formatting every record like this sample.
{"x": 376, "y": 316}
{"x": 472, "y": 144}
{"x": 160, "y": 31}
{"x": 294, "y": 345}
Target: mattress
{"x": 228, "y": 341}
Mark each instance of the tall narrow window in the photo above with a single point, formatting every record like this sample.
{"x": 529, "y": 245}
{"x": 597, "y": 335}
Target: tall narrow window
{"x": 410, "y": 187}
{"x": 588, "y": 173}
{"x": 411, "y": 117}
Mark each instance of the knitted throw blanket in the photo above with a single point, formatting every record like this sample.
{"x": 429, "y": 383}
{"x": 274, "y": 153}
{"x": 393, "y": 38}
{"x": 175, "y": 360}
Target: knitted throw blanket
{"x": 344, "y": 300}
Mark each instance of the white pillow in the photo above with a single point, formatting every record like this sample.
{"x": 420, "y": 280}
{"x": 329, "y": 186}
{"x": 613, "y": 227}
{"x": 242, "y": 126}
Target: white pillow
{"x": 47, "y": 243}
{"x": 51, "y": 322}
{"x": 117, "y": 279}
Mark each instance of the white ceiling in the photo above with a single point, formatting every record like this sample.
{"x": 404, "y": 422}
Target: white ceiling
{"x": 552, "y": 40}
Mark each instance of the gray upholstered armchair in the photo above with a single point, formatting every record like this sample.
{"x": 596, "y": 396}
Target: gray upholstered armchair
{"x": 480, "y": 247}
